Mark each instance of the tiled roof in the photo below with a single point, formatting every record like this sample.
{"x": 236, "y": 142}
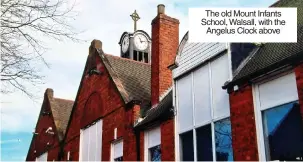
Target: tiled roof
{"x": 271, "y": 54}
{"x": 61, "y": 110}
{"x": 132, "y": 78}
{"x": 162, "y": 110}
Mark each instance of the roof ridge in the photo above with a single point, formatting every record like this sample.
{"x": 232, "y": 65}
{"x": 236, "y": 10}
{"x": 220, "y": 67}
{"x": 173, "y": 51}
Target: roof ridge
{"x": 126, "y": 59}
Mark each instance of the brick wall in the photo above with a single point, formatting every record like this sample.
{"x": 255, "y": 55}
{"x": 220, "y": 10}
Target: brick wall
{"x": 168, "y": 140}
{"x": 165, "y": 41}
{"x": 99, "y": 98}
{"x": 39, "y": 142}
{"x": 244, "y": 139}
{"x": 299, "y": 77}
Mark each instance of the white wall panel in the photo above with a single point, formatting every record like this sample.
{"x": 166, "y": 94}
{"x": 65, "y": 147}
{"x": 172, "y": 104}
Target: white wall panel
{"x": 185, "y": 103}
{"x": 154, "y": 137}
{"x": 118, "y": 149}
{"x": 91, "y": 142}
{"x": 194, "y": 54}
{"x": 201, "y": 90}
{"x": 278, "y": 91}
{"x": 42, "y": 157}
{"x": 219, "y": 75}
{"x": 99, "y": 141}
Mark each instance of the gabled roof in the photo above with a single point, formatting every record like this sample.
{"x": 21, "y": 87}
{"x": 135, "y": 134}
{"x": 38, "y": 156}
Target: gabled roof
{"x": 61, "y": 110}
{"x": 162, "y": 110}
{"x": 132, "y": 78}
{"x": 272, "y": 53}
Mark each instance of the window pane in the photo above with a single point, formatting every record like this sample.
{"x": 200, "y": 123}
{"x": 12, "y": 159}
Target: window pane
{"x": 283, "y": 133}
{"x": 185, "y": 103}
{"x": 154, "y": 137}
{"x": 202, "y": 95}
{"x": 119, "y": 159}
{"x": 155, "y": 153}
{"x": 219, "y": 75}
{"x": 118, "y": 149}
{"x": 187, "y": 146}
{"x": 223, "y": 140}
{"x": 204, "y": 143}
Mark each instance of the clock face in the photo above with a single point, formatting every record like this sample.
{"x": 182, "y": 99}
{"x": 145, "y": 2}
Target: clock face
{"x": 125, "y": 44}
{"x": 141, "y": 42}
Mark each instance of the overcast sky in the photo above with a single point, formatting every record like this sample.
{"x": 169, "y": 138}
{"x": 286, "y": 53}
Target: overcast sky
{"x": 105, "y": 20}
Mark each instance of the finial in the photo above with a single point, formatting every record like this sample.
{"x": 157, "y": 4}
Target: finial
{"x": 135, "y": 17}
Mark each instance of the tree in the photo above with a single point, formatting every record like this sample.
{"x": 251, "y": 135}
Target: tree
{"x": 24, "y": 26}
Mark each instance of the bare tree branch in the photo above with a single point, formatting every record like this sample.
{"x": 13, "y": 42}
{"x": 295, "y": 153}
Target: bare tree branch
{"x": 24, "y": 26}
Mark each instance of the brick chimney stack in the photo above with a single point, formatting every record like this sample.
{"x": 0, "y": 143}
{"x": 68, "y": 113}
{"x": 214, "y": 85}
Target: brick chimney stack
{"x": 49, "y": 93}
{"x": 165, "y": 41}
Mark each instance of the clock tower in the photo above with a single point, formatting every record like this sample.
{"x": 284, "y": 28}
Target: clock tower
{"x": 136, "y": 45}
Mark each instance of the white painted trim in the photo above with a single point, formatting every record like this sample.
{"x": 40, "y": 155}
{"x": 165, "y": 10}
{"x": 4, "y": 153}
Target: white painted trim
{"x": 177, "y": 137}
{"x": 115, "y": 133}
{"x": 229, "y": 60}
{"x": 212, "y": 112}
{"x": 80, "y": 145}
{"x": 194, "y": 121}
{"x": 258, "y": 123}
{"x": 68, "y": 155}
{"x": 145, "y": 146}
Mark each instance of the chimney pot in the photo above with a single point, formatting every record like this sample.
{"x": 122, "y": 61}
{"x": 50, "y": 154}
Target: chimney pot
{"x": 161, "y": 9}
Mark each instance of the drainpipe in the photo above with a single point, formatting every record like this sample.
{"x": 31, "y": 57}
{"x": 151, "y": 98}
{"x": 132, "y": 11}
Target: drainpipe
{"x": 137, "y": 134}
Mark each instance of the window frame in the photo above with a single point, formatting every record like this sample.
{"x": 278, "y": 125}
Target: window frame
{"x": 212, "y": 121}
{"x": 112, "y": 150}
{"x": 146, "y": 139}
{"x": 258, "y": 111}
{"x": 81, "y": 138}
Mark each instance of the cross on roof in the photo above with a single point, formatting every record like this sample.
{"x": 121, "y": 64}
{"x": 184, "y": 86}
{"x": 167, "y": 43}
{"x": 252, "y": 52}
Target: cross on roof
{"x": 135, "y": 17}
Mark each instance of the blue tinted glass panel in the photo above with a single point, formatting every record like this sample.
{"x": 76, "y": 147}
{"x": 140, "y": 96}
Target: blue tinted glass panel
{"x": 223, "y": 140}
{"x": 283, "y": 132}
{"x": 204, "y": 143}
{"x": 155, "y": 153}
{"x": 187, "y": 146}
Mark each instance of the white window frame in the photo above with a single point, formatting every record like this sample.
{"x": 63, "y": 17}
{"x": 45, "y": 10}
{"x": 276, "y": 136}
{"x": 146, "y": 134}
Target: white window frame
{"x": 146, "y": 139}
{"x": 258, "y": 113}
{"x": 178, "y": 148}
{"x": 112, "y": 150}
{"x": 81, "y": 139}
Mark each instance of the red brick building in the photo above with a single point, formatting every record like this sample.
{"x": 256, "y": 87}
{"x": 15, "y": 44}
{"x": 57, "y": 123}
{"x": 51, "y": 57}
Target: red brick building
{"x": 50, "y": 128}
{"x": 121, "y": 100}
{"x": 219, "y": 101}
